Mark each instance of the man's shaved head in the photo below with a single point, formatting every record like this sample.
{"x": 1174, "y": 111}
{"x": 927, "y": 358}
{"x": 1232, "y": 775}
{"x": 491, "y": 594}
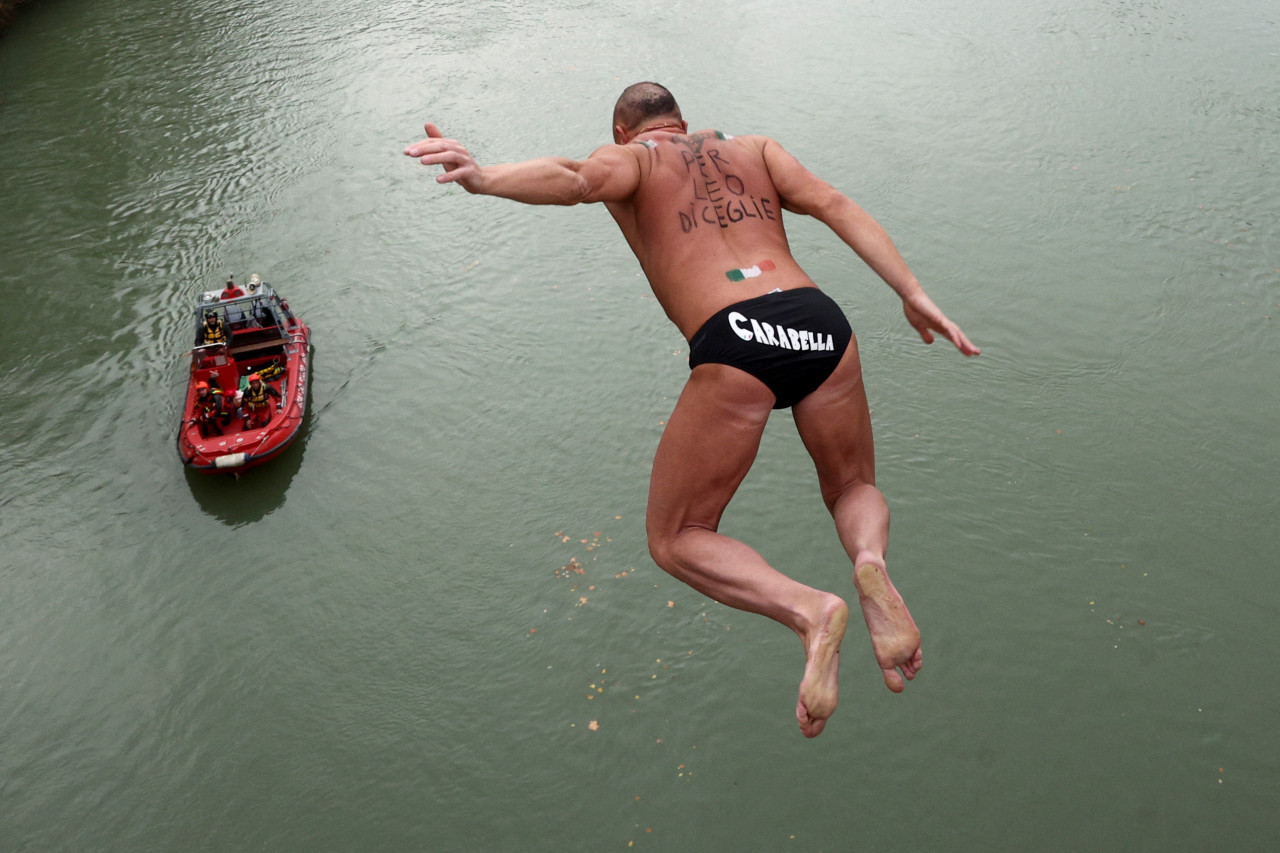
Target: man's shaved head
{"x": 641, "y": 102}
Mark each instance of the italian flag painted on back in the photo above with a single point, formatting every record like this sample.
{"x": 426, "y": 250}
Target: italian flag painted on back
{"x": 750, "y": 272}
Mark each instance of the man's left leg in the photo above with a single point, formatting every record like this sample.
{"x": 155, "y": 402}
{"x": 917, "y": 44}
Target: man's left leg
{"x": 706, "y": 449}
{"x": 835, "y": 424}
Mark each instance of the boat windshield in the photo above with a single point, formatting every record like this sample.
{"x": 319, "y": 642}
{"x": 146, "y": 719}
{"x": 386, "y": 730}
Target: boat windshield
{"x": 255, "y": 312}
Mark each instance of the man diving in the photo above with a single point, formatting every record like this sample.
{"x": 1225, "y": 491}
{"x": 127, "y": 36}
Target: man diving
{"x": 702, "y": 212}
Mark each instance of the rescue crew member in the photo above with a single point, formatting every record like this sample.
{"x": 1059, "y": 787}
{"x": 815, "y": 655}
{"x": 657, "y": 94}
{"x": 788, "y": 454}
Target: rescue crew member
{"x": 256, "y": 402}
{"x": 213, "y": 332}
{"x": 211, "y": 413}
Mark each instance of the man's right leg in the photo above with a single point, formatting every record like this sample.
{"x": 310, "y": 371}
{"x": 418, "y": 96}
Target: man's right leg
{"x": 835, "y": 425}
{"x": 706, "y": 449}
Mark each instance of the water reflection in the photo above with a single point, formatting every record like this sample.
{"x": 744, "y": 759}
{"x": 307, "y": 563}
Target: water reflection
{"x": 1085, "y": 183}
{"x": 237, "y": 500}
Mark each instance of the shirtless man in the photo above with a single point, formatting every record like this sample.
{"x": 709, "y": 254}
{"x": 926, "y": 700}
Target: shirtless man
{"x": 703, "y": 213}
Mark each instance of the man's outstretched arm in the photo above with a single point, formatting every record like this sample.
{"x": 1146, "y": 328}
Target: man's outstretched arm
{"x": 804, "y": 192}
{"x": 610, "y": 174}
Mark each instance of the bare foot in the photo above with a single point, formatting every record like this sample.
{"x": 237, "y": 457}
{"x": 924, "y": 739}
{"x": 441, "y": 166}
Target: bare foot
{"x": 819, "y": 690}
{"x": 895, "y": 639}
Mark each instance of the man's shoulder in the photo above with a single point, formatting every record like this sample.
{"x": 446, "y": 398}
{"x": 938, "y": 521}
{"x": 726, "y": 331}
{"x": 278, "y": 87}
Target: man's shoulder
{"x": 755, "y": 144}
{"x": 725, "y": 136}
{"x": 613, "y": 150}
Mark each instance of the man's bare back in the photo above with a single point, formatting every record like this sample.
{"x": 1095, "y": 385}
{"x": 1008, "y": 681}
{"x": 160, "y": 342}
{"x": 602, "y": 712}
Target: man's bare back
{"x": 703, "y": 214}
{"x": 705, "y": 222}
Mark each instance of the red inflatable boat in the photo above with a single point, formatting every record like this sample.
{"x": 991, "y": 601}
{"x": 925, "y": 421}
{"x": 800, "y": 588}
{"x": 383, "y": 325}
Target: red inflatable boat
{"x": 247, "y": 389}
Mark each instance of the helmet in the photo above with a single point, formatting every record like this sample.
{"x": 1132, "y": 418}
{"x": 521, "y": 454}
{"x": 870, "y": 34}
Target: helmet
{"x": 254, "y": 377}
{"x": 202, "y": 386}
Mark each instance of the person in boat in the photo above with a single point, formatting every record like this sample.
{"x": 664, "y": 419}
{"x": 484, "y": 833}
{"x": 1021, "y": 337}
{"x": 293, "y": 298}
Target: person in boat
{"x": 264, "y": 315}
{"x": 213, "y": 331}
{"x": 702, "y": 212}
{"x": 232, "y": 290}
{"x": 256, "y": 401}
{"x": 211, "y": 410}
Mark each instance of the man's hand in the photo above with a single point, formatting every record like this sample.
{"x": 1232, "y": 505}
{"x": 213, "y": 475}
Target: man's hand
{"x": 926, "y": 318}
{"x": 459, "y": 166}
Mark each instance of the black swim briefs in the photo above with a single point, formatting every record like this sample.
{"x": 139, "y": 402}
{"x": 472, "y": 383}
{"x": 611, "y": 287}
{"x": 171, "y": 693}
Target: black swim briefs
{"x": 791, "y": 340}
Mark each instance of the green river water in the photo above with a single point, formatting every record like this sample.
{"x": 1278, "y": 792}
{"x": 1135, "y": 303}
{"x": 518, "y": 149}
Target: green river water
{"x": 433, "y": 623}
